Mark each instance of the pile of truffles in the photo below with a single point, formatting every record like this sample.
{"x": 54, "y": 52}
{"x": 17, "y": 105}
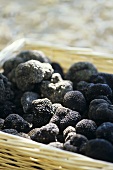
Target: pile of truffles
{"x": 72, "y": 111}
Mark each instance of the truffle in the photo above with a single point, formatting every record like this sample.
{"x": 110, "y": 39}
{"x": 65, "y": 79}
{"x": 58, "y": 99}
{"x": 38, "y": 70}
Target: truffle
{"x": 68, "y": 130}
{"x": 105, "y": 131}
{"x": 80, "y": 71}
{"x": 57, "y": 69}
{"x": 99, "y": 149}
{"x": 65, "y": 117}
{"x": 42, "y": 112}
{"x": 45, "y": 134}
{"x": 75, "y": 100}
{"x": 56, "y": 88}
{"x": 1, "y": 123}
{"x": 100, "y": 111}
{"x": 87, "y": 128}
{"x": 26, "y": 100}
{"x": 6, "y": 92}
{"x": 14, "y": 121}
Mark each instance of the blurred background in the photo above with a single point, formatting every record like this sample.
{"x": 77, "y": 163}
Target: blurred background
{"x": 80, "y": 23}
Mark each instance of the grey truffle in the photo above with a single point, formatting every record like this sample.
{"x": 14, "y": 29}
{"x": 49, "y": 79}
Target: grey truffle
{"x": 56, "y": 88}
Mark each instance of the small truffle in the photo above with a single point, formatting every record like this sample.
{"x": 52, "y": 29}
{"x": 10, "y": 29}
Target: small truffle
{"x": 87, "y": 128}
{"x": 26, "y": 100}
{"x": 42, "y": 112}
{"x": 65, "y": 117}
{"x": 99, "y": 149}
{"x": 68, "y": 130}
{"x": 55, "y": 106}
{"x": 45, "y": 134}
{"x": 80, "y": 71}
{"x": 105, "y": 131}
{"x": 14, "y": 121}
{"x": 75, "y": 100}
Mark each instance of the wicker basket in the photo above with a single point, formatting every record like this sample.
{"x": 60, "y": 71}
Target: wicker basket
{"x": 23, "y": 154}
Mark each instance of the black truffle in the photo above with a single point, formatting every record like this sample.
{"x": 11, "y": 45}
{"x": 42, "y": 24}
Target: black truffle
{"x": 1, "y": 123}
{"x": 42, "y": 112}
{"x": 87, "y": 128}
{"x": 98, "y": 89}
{"x": 14, "y": 121}
{"x": 100, "y": 111}
{"x": 75, "y": 100}
{"x": 68, "y": 130}
{"x": 105, "y": 131}
{"x": 81, "y": 71}
{"x": 26, "y": 100}
{"x": 6, "y": 92}
{"x": 99, "y": 149}
{"x": 65, "y": 117}
{"x": 45, "y": 134}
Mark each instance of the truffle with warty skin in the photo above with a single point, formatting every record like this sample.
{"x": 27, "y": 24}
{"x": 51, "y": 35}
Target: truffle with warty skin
{"x": 105, "y": 131}
{"x": 26, "y": 100}
{"x": 68, "y": 130}
{"x": 31, "y": 72}
{"x": 56, "y": 88}
{"x": 14, "y": 121}
{"x": 42, "y": 112}
{"x": 65, "y": 117}
{"x": 75, "y": 100}
{"x": 80, "y": 71}
{"x": 100, "y": 111}
{"x": 45, "y": 134}
{"x": 99, "y": 149}
{"x": 87, "y": 128}
{"x": 6, "y": 92}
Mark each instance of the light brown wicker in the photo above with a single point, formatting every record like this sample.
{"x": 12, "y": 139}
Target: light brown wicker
{"x": 17, "y": 153}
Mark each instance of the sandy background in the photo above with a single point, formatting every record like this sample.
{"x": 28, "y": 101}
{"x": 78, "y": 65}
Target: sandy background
{"x": 83, "y": 23}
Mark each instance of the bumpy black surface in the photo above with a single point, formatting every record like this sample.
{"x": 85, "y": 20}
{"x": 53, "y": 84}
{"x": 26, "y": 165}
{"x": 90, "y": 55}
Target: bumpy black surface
{"x": 105, "y": 131}
{"x": 98, "y": 89}
{"x": 99, "y": 149}
{"x": 108, "y": 78}
{"x": 97, "y": 79}
{"x": 26, "y": 100}
{"x": 6, "y": 92}
{"x": 65, "y": 117}
{"x": 45, "y": 134}
{"x": 42, "y": 112}
{"x": 80, "y": 71}
{"x": 75, "y": 101}
{"x": 14, "y": 121}
{"x": 87, "y": 128}
{"x": 68, "y": 130}
{"x": 100, "y": 111}
{"x": 6, "y": 108}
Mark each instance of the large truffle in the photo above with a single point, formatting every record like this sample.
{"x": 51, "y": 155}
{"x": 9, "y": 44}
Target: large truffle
{"x": 87, "y": 128}
{"x": 99, "y": 149}
{"x": 81, "y": 71}
{"x": 31, "y": 72}
{"x": 75, "y": 100}
{"x": 45, "y": 134}
{"x": 42, "y": 112}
